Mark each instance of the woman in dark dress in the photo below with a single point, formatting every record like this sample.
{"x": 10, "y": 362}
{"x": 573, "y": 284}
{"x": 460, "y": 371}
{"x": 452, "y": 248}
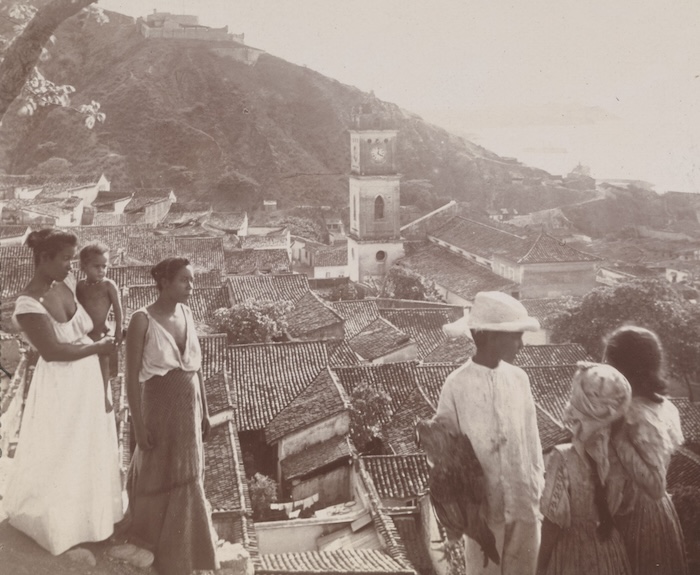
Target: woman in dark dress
{"x": 168, "y": 512}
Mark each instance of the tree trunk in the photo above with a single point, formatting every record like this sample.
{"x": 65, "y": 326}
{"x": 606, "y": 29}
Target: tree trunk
{"x": 24, "y": 52}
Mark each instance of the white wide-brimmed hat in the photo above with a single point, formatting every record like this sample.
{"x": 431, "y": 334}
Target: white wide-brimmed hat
{"x": 494, "y": 311}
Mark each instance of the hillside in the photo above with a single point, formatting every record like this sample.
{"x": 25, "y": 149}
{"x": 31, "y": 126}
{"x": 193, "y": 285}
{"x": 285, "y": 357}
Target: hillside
{"x": 190, "y": 115}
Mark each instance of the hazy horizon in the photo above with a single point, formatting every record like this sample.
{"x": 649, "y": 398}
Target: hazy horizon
{"x": 615, "y": 86}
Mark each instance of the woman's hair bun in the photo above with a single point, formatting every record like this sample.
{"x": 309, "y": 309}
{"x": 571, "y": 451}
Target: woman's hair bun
{"x": 37, "y": 237}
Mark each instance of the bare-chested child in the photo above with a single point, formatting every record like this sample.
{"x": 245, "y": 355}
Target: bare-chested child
{"x": 98, "y": 294}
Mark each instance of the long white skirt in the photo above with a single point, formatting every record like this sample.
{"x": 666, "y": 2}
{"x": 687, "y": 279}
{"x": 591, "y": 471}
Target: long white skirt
{"x": 65, "y": 486}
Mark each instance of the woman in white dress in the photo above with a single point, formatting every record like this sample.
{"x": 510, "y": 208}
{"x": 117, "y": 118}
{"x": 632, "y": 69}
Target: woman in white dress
{"x": 65, "y": 487}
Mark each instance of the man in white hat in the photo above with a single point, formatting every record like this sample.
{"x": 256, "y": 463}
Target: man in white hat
{"x": 490, "y": 401}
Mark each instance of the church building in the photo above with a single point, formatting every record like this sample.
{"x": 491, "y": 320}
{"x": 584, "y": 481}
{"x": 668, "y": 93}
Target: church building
{"x": 374, "y": 239}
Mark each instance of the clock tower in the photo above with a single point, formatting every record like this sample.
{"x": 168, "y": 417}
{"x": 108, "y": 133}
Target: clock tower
{"x": 374, "y": 241}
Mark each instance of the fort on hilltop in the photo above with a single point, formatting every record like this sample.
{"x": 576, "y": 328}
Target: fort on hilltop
{"x": 185, "y": 27}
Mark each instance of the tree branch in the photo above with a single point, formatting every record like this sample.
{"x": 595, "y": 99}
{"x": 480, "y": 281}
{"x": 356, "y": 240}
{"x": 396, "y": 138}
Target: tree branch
{"x": 24, "y": 52}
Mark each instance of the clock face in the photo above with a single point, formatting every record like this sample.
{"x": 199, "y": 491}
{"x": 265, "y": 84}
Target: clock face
{"x": 378, "y": 153}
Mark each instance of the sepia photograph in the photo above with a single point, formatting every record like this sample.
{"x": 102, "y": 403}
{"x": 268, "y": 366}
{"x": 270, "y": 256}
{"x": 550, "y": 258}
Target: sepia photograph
{"x": 309, "y": 287}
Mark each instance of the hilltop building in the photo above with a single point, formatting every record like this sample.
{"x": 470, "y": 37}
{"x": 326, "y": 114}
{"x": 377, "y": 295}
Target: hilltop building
{"x": 184, "y": 27}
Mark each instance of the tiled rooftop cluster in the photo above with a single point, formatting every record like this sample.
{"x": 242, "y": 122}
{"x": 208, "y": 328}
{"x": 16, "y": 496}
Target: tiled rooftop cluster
{"x": 267, "y": 377}
{"x": 453, "y": 272}
{"x": 275, "y": 288}
{"x": 205, "y": 254}
{"x": 340, "y": 561}
{"x": 203, "y": 301}
{"x": 250, "y": 261}
{"x": 310, "y": 314}
{"x": 487, "y": 241}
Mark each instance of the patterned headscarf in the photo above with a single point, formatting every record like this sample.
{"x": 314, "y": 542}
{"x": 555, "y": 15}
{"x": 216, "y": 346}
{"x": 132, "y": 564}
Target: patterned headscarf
{"x": 600, "y": 395}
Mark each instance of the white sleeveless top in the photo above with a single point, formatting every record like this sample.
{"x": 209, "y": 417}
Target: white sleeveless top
{"x": 160, "y": 351}
{"x": 74, "y": 330}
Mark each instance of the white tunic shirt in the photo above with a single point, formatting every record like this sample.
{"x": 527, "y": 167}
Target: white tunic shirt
{"x": 495, "y": 409}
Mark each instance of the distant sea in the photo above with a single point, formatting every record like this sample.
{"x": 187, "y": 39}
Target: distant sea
{"x": 612, "y": 150}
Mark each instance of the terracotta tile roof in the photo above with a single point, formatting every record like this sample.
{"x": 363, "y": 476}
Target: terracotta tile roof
{"x": 218, "y": 393}
{"x": 264, "y": 242}
{"x": 398, "y": 476}
{"x": 452, "y": 350}
{"x": 331, "y": 256}
{"x": 551, "y": 354}
{"x": 480, "y": 239}
{"x": 127, "y": 276}
{"x": 214, "y": 354}
{"x": 315, "y": 457}
{"x": 224, "y": 476}
{"x": 684, "y": 469}
{"x": 547, "y": 249}
{"x": 12, "y": 231}
{"x": 241, "y": 262}
{"x": 226, "y": 221}
{"x": 267, "y": 377}
{"x": 116, "y": 237}
{"x": 690, "y": 418}
{"x": 455, "y": 312}
{"x": 382, "y": 521}
{"x": 202, "y": 301}
{"x": 53, "y": 209}
{"x": 358, "y": 314}
{"x": 138, "y": 203}
{"x": 311, "y": 313}
{"x": 341, "y": 354}
{"x": 423, "y": 325}
{"x": 205, "y": 254}
{"x": 340, "y": 561}
{"x": 183, "y": 214}
{"x": 288, "y": 287}
{"x": 410, "y": 529}
{"x": 16, "y": 274}
{"x": 108, "y": 198}
{"x": 545, "y": 308}
{"x": 551, "y": 387}
{"x": 454, "y": 273}
{"x": 111, "y": 219}
{"x": 320, "y": 400}
{"x": 379, "y": 339}
{"x": 397, "y": 380}
{"x": 431, "y": 378}
{"x": 399, "y": 433}
{"x": 550, "y": 431}
{"x": 16, "y": 252}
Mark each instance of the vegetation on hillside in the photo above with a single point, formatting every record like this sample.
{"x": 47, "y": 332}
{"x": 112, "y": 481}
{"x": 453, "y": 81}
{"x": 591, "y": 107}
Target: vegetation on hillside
{"x": 189, "y": 115}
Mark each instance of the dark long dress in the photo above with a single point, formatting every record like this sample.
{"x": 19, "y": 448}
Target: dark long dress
{"x": 168, "y": 512}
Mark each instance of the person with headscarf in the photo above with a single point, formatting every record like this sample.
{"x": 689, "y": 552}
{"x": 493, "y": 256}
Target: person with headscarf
{"x": 651, "y": 432}
{"x": 585, "y": 485}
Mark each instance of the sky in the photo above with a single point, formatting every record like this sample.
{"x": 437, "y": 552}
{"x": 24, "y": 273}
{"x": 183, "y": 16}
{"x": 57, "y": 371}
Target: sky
{"x": 613, "y": 84}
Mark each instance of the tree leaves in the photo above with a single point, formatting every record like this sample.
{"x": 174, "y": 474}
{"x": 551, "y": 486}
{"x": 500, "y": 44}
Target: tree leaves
{"x": 653, "y": 304}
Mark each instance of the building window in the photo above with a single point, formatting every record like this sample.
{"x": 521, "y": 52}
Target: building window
{"x": 328, "y": 274}
{"x": 352, "y": 253}
{"x": 379, "y": 208}
{"x": 381, "y": 256}
{"x": 354, "y": 208}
